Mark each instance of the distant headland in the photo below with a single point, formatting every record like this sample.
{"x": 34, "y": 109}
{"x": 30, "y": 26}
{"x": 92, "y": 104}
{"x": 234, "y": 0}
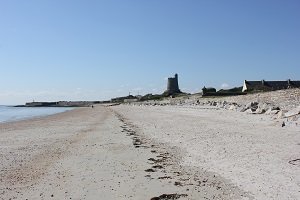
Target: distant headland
{"x": 62, "y": 104}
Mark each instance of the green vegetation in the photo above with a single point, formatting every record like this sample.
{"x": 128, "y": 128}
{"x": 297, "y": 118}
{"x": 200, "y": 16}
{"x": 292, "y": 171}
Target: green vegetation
{"x": 232, "y": 90}
{"x": 148, "y": 97}
{"x": 222, "y": 92}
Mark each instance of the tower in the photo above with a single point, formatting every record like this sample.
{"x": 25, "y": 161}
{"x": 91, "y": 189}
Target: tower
{"x": 172, "y": 87}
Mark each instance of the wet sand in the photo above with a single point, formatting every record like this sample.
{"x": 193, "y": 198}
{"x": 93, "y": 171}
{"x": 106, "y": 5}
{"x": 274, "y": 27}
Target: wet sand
{"x": 130, "y": 152}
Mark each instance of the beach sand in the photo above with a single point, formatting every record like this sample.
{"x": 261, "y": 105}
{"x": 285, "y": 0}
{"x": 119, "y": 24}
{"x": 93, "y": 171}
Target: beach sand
{"x": 148, "y": 152}
{"x": 252, "y": 152}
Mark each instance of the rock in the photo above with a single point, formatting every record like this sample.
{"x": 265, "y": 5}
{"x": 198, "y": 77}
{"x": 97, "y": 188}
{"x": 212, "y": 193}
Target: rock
{"x": 227, "y": 106}
{"x": 275, "y": 108}
{"x": 274, "y": 112}
{"x": 280, "y": 114}
{"x": 264, "y": 106}
{"x": 232, "y": 107}
{"x": 260, "y": 111}
{"x": 293, "y": 112}
{"x": 243, "y": 109}
{"x": 214, "y": 103}
{"x": 298, "y": 121}
{"x": 252, "y": 105}
{"x": 249, "y": 111}
{"x": 268, "y": 112}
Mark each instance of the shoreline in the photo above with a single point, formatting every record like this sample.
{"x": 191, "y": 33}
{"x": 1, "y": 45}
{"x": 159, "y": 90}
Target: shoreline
{"x": 43, "y": 156}
{"x": 39, "y": 112}
{"x": 147, "y": 152}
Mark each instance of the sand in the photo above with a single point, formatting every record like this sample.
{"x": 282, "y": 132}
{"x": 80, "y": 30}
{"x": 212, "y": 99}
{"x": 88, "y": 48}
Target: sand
{"x": 139, "y": 152}
{"x": 252, "y": 152}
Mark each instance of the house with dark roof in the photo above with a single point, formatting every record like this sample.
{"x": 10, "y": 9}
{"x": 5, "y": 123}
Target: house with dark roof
{"x": 207, "y": 91}
{"x": 269, "y": 85}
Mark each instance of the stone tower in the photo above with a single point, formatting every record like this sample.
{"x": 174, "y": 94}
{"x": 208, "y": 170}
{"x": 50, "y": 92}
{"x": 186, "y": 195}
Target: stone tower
{"x": 172, "y": 87}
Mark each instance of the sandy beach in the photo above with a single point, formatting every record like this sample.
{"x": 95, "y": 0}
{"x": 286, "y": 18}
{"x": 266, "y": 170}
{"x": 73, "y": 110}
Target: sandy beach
{"x": 149, "y": 100}
{"x": 149, "y": 152}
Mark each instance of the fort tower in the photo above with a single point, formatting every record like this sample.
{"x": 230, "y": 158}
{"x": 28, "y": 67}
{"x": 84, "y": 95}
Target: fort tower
{"x": 173, "y": 87}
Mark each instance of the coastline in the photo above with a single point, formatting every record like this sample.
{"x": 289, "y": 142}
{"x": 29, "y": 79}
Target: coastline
{"x": 14, "y": 114}
{"x": 42, "y": 157}
{"x": 148, "y": 152}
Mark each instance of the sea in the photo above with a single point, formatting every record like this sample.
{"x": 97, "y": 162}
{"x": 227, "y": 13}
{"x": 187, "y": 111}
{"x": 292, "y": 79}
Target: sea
{"x": 10, "y": 113}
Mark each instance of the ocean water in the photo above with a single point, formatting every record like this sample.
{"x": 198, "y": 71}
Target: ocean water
{"x": 8, "y": 113}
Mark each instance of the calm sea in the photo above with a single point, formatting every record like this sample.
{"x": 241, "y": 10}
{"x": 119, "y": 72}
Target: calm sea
{"x": 8, "y": 113}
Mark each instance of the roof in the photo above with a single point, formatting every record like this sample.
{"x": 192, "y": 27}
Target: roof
{"x": 295, "y": 83}
{"x": 273, "y": 85}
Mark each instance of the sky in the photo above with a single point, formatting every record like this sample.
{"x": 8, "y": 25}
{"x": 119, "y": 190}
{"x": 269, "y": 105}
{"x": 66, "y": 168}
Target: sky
{"x": 53, "y": 50}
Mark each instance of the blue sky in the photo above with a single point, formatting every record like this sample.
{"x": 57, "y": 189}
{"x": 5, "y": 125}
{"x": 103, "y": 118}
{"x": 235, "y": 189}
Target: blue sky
{"x": 94, "y": 50}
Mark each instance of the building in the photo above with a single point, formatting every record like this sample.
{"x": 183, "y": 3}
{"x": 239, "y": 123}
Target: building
{"x": 172, "y": 87}
{"x": 269, "y": 85}
{"x": 130, "y": 100}
{"x": 207, "y": 91}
